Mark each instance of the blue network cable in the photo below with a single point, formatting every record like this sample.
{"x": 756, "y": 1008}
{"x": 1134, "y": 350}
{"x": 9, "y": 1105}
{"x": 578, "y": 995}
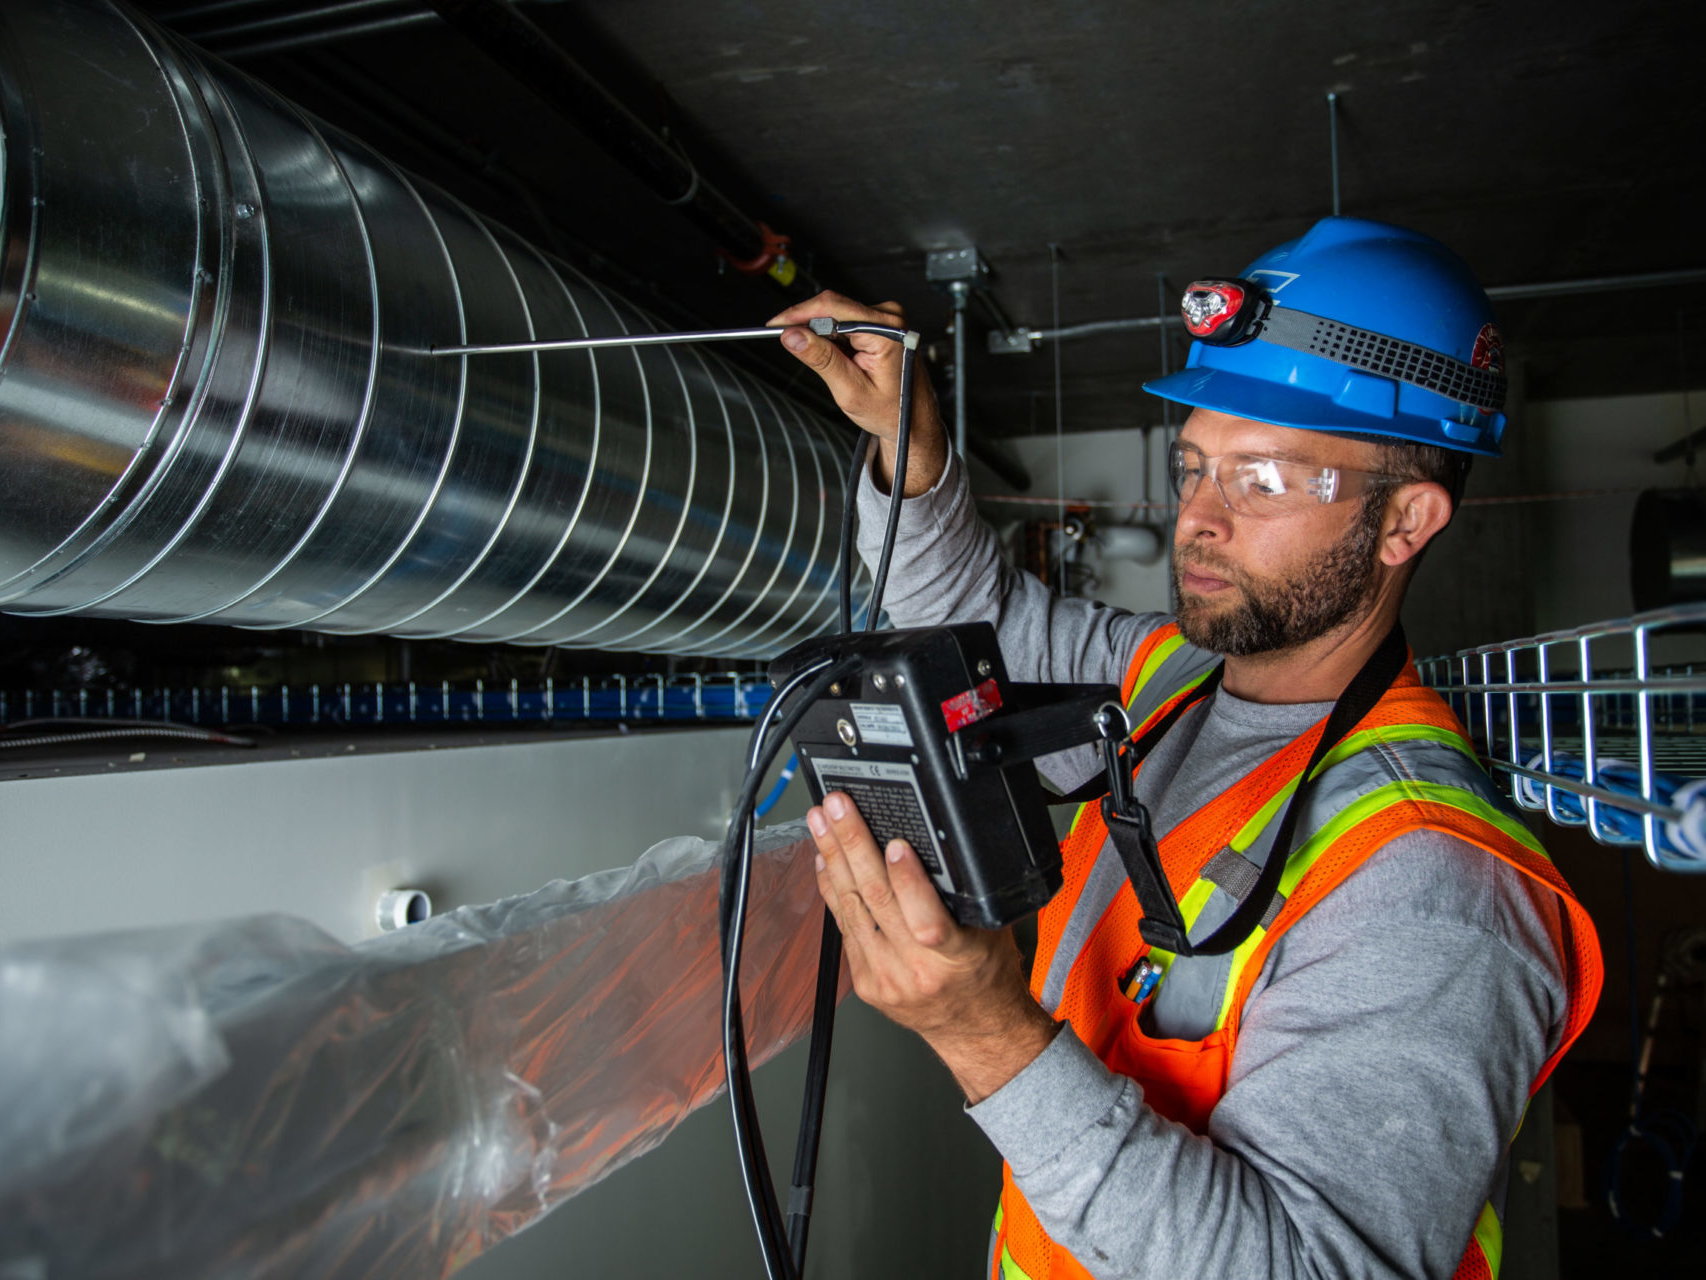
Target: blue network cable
{"x": 769, "y": 802}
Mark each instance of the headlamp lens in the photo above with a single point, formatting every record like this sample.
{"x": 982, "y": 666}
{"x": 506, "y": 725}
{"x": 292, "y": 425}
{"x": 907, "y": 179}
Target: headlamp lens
{"x": 1209, "y": 304}
{"x": 1224, "y": 313}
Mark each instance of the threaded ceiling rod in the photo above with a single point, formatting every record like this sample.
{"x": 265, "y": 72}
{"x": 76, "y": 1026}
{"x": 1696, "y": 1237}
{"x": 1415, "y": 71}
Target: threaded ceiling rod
{"x": 1333, "y": 144}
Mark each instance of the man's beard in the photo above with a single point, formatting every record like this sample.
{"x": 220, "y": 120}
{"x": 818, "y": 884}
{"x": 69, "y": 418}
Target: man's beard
{"x": 1277, "y": 615}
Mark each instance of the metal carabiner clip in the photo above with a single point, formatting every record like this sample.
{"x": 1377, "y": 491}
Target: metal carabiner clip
{"x": 1119, "y": 777}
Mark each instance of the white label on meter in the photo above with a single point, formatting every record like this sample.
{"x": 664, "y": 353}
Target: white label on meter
{"x": 888, "y": 798}
{"x": 881, "y": 723}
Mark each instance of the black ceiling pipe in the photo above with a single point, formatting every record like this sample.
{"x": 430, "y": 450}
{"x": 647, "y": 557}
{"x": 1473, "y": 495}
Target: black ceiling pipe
{"x": 527, "y": 52}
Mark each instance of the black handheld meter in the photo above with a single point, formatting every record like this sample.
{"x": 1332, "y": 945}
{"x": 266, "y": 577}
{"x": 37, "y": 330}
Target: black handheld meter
{"x": 933, "y": 743}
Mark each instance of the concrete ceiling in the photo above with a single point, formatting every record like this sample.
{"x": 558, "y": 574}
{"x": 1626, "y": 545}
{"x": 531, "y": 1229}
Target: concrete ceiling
{"x": 1544, "y": 140}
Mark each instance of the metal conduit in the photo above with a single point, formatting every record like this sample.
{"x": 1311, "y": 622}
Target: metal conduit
{"x": 215, "y": 404}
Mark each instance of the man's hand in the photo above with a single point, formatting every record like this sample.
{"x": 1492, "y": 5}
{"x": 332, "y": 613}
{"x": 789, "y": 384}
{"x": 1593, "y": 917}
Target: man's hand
{"x": 961, "y": 989}
{"x": 866, "y": 384}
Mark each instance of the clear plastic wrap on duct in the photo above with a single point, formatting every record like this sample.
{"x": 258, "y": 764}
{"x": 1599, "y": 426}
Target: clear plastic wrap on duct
{"x": 252, "y": 1098}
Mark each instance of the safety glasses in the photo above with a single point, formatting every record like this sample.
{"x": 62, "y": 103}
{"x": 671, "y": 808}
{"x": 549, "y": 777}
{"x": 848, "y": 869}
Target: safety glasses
{"x": 1251, "y": 485}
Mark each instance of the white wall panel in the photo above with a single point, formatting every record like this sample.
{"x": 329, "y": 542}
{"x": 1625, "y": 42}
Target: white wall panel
{"x": 1606, "y": 443}
{"x": 907, "y": 1185}
{"x": 319, "y": 838}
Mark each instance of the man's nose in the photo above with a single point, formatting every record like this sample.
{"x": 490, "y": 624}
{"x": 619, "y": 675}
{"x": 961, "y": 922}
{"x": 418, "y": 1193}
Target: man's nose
{"x": 1205, "y": 511}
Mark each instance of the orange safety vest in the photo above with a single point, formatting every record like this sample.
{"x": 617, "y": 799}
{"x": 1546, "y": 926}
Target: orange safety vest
{"x": 1357, "y": 804}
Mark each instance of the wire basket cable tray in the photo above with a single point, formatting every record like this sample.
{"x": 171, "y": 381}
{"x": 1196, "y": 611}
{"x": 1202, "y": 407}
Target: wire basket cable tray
{"x": 1602, "y": 726}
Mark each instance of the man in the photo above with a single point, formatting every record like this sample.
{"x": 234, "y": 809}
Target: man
{"x": 1336, "y": 1095}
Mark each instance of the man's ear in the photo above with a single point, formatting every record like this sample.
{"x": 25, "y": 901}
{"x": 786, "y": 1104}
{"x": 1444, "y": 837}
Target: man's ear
{"x": 1415, "y": 514}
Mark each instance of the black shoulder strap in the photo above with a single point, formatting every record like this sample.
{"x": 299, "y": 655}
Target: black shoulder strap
{"x": 1163, "y": 925}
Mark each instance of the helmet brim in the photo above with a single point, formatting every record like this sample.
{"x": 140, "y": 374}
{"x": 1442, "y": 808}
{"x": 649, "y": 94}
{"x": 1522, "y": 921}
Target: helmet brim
{"x": 1283, "y": 406}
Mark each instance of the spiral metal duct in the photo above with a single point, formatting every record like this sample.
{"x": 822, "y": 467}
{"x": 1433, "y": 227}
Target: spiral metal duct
{"x": 215, "y": 404}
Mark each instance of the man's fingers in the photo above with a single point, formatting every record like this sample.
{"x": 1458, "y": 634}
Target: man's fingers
{"x": 890, "y": 887}
{"x": 865, "y": 384}
{"x": 927, "y": 919}
{"x": 835, "y": 879}
{"x": 840, "y": 307}
{"x": 869, "y": 401}
{"x": 853, "y": 879}
{"x": 865, "y": 862}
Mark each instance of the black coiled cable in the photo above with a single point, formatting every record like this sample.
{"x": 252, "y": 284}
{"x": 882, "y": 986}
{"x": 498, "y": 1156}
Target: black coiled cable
{"x": 784, "y": 1250}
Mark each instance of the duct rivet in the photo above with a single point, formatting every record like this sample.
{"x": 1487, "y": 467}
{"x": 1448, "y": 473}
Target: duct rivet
{"x": 983, "y": 667}
{"x": 880, "y": 681}
{"x": 835, "y": 690}
{"x": 245, "y": 210}
{"x": 847, "y": 732}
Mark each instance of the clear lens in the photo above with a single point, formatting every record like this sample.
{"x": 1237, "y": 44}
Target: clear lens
{"x": 1183, "y": 471}
{"x": 1255, "y": 486}
{"x": 1257, "y": 479}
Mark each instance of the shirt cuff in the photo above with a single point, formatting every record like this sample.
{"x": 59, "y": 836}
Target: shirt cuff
{"x": 927, "y": 513}
{"x": 1064, "y": 1090}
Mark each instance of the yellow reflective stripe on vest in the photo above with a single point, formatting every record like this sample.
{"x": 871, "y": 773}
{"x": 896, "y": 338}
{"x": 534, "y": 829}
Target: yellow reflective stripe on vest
{"x": 1345, "y": 750}
{"x": 1011, "y": 1270}
{"x": 1185, "y": 688}
{"x": 1166, "y": 649}
{"x": 1304, "y": 858}
{"x": 1490, "y": 1235}
{"x": 1190, "y": 907}
{"x": 1395, "y": 733}
{"x": 1265, "y": 817}
{"x": 1299, "y": 864}
{"x": 1138, "y": 718}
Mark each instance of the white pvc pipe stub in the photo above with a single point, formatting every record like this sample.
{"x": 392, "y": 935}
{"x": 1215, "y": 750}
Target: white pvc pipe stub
{"x": 399, "y": 907}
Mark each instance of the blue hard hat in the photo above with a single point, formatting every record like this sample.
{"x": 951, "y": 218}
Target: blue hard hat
{"x": 1357, "y": 327}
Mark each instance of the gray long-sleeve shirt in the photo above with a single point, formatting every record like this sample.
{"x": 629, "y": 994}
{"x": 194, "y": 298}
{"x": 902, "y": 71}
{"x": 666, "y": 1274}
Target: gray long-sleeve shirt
{"x": 1385, "y": 1053}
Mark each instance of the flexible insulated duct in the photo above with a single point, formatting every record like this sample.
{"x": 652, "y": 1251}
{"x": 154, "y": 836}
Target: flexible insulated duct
{"x": 216, "y": 406}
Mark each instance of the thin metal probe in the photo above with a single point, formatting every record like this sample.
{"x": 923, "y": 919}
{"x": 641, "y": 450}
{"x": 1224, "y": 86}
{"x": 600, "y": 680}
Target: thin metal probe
{"x": 822, "y": 326}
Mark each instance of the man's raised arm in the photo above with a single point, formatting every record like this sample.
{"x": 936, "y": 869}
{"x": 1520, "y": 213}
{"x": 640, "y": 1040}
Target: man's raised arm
{"x": 947, "y": 563}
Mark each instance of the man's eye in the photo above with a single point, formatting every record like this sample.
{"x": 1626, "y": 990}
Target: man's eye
{"x": 1265, "y": 480}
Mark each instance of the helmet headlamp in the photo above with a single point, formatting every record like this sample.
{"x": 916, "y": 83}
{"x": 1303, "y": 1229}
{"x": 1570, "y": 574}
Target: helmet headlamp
{"x": 1224, "y": 312}
{"x": 1230, "y": 313}
{"x": 1356, "y": 327}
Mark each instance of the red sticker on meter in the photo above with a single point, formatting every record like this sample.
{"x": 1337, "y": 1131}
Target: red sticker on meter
{"x": 972, "y": 705}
